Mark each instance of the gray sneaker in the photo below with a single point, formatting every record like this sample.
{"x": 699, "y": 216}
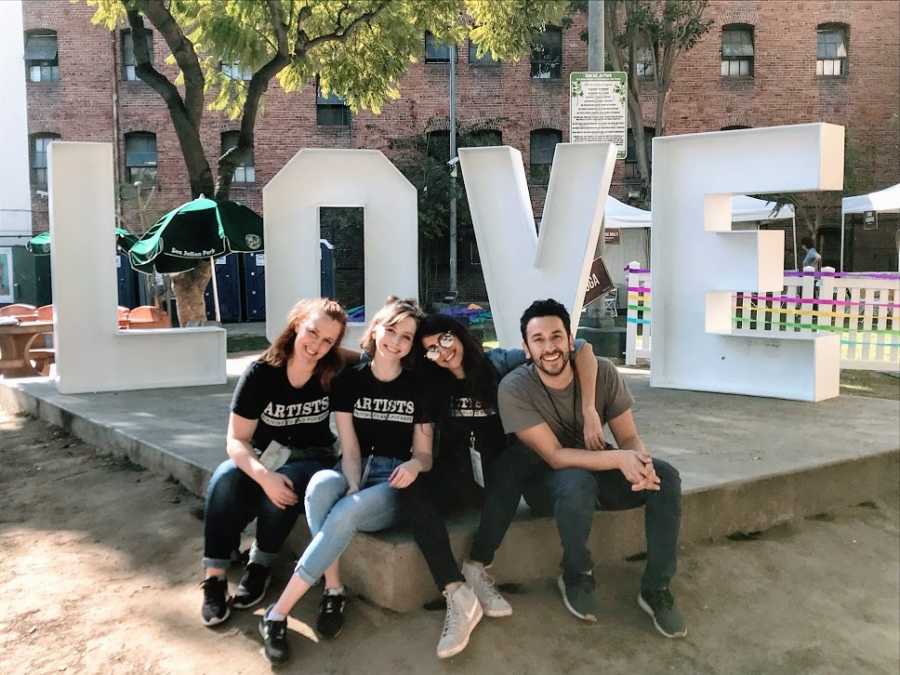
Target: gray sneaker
{"x": 492, "y": 602}
{"x": 463, "y": 614}
{"x": 660, "y": 605}
{"x": 578, "y": 596}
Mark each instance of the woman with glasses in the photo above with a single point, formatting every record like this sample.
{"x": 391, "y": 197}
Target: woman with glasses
{"x": 385, "y": 437}
{"x": 464, "y": 379}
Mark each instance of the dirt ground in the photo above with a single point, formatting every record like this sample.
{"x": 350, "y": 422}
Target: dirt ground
{"x": 100, "y": 565}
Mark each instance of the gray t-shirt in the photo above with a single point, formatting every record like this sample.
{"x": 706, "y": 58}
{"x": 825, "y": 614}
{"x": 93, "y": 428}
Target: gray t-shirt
{"x": 525, "y": 402}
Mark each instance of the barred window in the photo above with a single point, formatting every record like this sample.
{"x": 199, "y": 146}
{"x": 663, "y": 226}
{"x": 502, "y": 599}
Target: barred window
{"x": 39, "y": 144}
{"x": 546, "y": 54}
{"x": 140, "y": 158}
{"x": 41, "y": 56}
{"x": 244, "y": 171}
{"x": 643, "y": 63}
{"x": 331, "y": 110}
{"x": 542, "y": 146}
{"x": 128, "y": 59}
{"x": 831, "y": 50}
{"x": 737, "y": 51}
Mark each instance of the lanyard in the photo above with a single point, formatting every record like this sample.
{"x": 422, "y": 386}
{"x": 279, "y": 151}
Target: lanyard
{"x": 574, "y": 428}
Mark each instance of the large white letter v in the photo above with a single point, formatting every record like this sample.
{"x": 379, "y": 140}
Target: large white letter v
{"x": 519, "y": 266}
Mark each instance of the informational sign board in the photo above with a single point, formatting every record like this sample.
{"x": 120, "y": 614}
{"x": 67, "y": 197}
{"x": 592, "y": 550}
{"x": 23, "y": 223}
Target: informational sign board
{"x": 611, "y": 236}
{"x": 598, "y": 109}
{"x": 599, "y": 282}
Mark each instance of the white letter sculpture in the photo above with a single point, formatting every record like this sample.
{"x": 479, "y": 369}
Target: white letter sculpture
{"x": 338, "y": 178}
{"x": 698, "y": 262}
{"x": 92, "y": 354}
{"x": 519, "y": 266}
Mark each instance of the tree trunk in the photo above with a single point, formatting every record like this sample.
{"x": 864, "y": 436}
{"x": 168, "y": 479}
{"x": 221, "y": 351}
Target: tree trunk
{"x": 189, "y": 288}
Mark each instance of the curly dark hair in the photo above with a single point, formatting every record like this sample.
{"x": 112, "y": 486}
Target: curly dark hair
{"x": 481, "y": 377}
{"x": 548, "y": 307}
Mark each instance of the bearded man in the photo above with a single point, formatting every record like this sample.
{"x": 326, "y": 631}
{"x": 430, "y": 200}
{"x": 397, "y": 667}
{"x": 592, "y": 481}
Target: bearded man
{"x": 563, "y": 476}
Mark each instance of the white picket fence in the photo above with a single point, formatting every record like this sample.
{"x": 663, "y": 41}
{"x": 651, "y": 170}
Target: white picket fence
{"x": 864, "y": 308}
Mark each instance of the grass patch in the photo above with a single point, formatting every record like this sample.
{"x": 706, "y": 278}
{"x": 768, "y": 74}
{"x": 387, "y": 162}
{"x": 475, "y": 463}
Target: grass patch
{"x": 871, "y": 384}
{"x": 246, "y": 343}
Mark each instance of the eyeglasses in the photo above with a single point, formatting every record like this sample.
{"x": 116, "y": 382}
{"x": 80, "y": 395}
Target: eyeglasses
{"x": 444, "y": 341}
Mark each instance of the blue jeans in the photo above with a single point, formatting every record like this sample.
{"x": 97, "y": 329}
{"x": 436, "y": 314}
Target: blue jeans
{"x": 233, "y": 499}
{"x": 334, "y": 519}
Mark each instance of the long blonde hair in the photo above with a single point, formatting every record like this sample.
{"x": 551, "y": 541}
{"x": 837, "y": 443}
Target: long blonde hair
{"x": 394, "y": 311}
{"x": 283, "y": 348}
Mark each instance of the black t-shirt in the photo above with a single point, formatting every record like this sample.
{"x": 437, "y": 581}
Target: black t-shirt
{"x": 463, "y": 418}
{"x": 296, "y": 418}
{"x": 383, "y": 412}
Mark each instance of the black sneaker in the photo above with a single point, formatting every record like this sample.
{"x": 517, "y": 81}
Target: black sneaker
{"x": 331, "y": 614}
{"x": 215, "y": 601}
{"x": 660, "y": 605}
{"x": 579, "y": 597}
{"x": 253, "y": 585}
{"x": 274, "y": 635}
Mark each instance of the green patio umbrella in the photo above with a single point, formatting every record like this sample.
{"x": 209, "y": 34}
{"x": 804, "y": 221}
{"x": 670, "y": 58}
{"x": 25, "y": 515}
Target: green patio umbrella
{"x": 39, "y": 244}
{"x": 201, "y": 229}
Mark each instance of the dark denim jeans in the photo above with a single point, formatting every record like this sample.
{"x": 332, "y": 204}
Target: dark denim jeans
{"x": 571, "y": 496}
{"x": 233, "y": 499}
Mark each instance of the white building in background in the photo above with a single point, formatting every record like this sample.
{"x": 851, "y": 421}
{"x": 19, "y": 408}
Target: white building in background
{"x": 15, "y": 198}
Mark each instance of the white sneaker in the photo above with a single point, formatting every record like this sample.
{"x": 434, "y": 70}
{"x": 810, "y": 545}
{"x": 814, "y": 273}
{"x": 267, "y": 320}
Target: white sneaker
{"x": 492, "y": 602}
{"x": 463, "y": 614}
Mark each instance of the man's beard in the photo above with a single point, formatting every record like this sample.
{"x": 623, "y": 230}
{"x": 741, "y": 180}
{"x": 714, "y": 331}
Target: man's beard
{"x": 554, "y": 368}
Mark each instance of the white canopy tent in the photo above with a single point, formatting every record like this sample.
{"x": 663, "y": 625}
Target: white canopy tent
{"x": 743, "y": 209}
{"x": 883, "y": 201}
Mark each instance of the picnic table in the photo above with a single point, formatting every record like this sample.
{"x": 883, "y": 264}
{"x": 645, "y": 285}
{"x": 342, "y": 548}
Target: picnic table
{"x": 16, "y": 341}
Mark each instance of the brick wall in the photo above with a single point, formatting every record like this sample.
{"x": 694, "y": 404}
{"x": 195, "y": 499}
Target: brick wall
{"x": 784, "y": 90}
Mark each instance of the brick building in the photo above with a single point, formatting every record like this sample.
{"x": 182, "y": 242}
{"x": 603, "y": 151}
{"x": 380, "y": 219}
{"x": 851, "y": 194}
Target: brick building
{"x": 762, "y": 64}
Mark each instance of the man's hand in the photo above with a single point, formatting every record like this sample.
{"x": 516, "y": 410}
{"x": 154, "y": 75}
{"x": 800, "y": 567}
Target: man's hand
{"x": 593, "y": 430}
{"x": 279, "y": 489}
{"x": 637, "y": 467}
{"x": 404, "y": 475}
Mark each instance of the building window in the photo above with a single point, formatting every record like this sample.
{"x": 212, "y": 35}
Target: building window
{"x": 41, "y": 56}
{"x": 235, "y": 71}
{"x": 437, "y": 145}
{"x": 245, "y": 171}
{"x": 542, "y": 146}
{"x": 643, "y": 66}
{"x": 474, "y": 258}
{"x": 331, "y": 110}
{"x": 128, "y": 60}
{"x": 39, "y": 143}
{"x": 485, "y": 60}
{"x": 140, "y": 158}
{"x": 632, "y": 172}
{"x": 737, "y": 51}
{"x": 436, "y": 51}
{"x": 483, "y": 138}
{"x": 831, "y": 51}
{"x": 546, "y": 54}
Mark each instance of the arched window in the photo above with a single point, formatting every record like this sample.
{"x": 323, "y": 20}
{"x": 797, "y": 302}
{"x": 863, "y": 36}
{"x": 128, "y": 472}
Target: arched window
{"x": 140, "y": 158}
{"x": 737, "y": 51}
{"x": 245, "y": 171}
{"x": 542, "y": 146}
{"x": 831, "y": 50}
{"x": 546, "y": 54}
{"x": 38, "y": 159}
{"x": 41, "y": 55}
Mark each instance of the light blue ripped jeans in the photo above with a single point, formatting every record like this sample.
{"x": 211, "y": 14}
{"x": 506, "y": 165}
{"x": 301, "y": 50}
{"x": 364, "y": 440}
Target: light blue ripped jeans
{"x": 334, "y": 519}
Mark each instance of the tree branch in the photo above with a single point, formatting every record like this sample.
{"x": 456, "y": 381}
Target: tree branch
{"x": 340, "y": 34}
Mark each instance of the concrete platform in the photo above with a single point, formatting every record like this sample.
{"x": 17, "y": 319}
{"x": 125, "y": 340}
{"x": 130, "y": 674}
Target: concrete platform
{"x": 746, "y": 464}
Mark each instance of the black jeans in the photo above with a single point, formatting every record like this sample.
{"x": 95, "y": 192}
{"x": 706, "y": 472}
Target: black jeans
{"x": 423, "y": 506}
{"x": 571, "y": 496}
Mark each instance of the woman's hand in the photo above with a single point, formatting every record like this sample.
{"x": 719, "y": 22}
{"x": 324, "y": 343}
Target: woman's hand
{"x": 279, "y": 489}
{"x": 593, "y": 430}
{"x": 404, "y": 475}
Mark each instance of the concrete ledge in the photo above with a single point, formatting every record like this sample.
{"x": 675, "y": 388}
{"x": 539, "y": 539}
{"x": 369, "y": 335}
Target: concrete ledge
{"x": 746, "y": 464}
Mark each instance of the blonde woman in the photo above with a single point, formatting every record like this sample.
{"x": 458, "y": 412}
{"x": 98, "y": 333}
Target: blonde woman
{"x": 282, "y": 398}
{"x": 386, "y": 441}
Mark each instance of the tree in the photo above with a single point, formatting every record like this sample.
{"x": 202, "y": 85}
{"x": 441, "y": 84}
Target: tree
{"x": 357, "y": 48}
{"x": 665, "y": 29}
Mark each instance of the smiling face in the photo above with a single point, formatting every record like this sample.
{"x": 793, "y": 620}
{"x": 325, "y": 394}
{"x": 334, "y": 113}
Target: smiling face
{"x": 548, "y": 344}
{"x": 317, "y": 333}
{"x": 394, "y": 341}
{"x": 446, "y": 351}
